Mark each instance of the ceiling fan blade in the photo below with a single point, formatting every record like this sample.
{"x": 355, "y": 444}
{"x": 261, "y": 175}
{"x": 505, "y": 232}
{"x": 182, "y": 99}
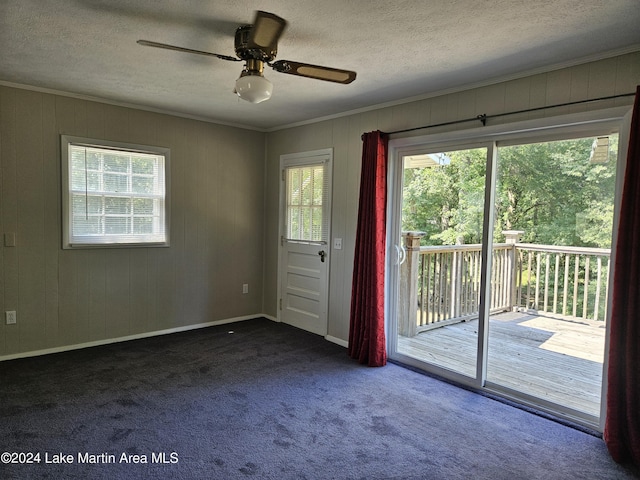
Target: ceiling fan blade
{"x": 314, "y": 71}
{"x": 149, "y": 43}
{"x": 266, "y": 31}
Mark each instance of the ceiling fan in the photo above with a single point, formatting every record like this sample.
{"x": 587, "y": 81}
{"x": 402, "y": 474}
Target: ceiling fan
{"x": 256, "y": 45}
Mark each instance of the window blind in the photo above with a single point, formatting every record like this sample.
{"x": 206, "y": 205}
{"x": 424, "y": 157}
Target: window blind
{"x": 307, "y": 218}
{"x": 115, "y": 196}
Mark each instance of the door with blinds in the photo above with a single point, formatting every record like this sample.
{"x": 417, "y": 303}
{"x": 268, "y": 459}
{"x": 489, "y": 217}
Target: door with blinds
{"x": 304, "y": 243}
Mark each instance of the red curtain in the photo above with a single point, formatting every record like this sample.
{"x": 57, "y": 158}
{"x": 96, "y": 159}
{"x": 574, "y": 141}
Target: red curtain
{"x": 366, "y": 327}
{"x": 622, "y": 426}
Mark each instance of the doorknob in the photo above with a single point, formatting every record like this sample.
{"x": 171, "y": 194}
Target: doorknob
{"x": 322, "y": 254}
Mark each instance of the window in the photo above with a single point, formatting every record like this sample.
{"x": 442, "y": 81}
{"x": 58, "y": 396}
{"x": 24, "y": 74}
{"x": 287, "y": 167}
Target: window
{"x": 306, "y": 191}
{"x": 114, "y": 194}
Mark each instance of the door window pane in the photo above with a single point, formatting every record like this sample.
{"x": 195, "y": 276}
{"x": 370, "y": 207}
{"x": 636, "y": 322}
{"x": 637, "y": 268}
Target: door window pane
{"x": 305, "y": 203}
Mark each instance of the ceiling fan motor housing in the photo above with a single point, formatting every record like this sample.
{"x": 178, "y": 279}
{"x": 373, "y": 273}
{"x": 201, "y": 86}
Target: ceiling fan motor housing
{"x": 245, "y": 52}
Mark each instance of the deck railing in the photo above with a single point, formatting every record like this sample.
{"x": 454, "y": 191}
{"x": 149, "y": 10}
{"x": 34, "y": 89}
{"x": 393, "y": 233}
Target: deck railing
{"x": 441, "y": 285}
{"x": 569, "y": 281}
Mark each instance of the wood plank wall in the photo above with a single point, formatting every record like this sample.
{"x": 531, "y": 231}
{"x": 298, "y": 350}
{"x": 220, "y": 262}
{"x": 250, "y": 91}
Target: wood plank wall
{"x": 607, "y": 77}
{"x": 224, "y": 224}
{"x": 69, "y": 297}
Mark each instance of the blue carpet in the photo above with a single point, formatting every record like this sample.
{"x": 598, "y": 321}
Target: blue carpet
{"x": 268, "y": 401}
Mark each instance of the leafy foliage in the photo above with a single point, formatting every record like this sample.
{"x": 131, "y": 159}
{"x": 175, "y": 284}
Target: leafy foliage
{"x": 548, "y": 190}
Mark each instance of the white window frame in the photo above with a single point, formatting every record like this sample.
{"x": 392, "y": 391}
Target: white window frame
{"x": 160, "y": 236}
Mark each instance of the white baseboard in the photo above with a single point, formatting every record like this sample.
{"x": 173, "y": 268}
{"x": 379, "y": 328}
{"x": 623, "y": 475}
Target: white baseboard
{"x": 137, "y": 336}
{"x": 338, "y": 341}
{"x": 329, "y": 338}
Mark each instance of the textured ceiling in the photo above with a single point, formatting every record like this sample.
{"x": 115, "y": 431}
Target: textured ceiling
{"x": 400, "y": 49}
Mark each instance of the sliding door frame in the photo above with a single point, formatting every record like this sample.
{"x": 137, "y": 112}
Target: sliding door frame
{"x": 397, "y": 151}
{"x": 547, "y": 129}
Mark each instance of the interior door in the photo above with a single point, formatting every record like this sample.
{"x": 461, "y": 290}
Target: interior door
{"x": 304, "y": 252}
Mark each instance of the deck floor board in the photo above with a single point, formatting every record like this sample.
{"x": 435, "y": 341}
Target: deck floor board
{"x": 558, "y": 360}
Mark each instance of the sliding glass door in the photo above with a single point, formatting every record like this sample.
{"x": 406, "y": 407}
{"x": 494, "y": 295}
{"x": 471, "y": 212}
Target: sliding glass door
{"x": 499, "y": 263}
{"x": 440, "y": 277}
{"x": 554, "y": 207}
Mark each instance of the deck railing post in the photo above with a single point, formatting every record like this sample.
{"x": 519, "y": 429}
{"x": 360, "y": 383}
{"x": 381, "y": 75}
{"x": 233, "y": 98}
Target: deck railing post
{"x": 408, "y": 305}
{"x": 512, "y": 237}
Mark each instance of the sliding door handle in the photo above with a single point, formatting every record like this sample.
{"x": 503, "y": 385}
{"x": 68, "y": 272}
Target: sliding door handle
{"x": 401, "y": 254}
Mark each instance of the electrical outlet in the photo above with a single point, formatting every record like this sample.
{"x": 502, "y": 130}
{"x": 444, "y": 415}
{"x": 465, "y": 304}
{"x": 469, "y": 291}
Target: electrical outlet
{"x": 10, "y": 317}
{"x": 10, "y": 239}
{"x": 245, "y": 288}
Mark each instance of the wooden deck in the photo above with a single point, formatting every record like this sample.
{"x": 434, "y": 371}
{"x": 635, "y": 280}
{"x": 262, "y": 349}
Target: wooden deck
{"x": 558, "y": 360}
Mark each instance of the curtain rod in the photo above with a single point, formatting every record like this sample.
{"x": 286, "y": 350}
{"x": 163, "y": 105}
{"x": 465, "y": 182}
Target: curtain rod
{"x": 484, "y": 117}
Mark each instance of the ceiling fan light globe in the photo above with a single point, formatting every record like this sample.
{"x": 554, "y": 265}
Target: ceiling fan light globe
{"x": 254, "y": 88}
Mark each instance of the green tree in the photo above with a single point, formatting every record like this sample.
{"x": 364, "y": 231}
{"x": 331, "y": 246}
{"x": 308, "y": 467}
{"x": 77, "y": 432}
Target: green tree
{"x": 548, "y": 190}
{"x": 552, "y": 193}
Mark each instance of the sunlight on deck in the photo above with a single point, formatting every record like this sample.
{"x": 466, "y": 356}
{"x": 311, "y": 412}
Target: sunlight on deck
{"x": 557, "y": 360}
{"x": 577, "y": 338}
